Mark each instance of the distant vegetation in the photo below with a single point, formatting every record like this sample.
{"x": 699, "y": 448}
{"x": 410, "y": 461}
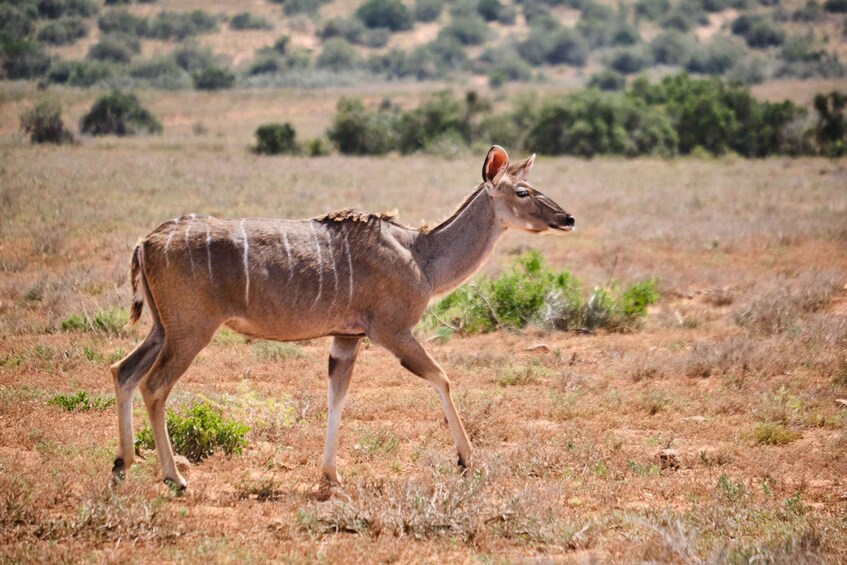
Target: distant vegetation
{"x": 43, "y": 123}
{"x": 119, "y": 113}
{"x": 679, "y": 115}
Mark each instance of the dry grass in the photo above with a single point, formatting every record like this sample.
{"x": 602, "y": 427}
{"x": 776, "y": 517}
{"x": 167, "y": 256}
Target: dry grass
{"x": 737, "y": 368}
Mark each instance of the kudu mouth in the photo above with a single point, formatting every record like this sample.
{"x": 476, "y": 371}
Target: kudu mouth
{"x": 561, "y": 220}
{"x": 564, "y": 223}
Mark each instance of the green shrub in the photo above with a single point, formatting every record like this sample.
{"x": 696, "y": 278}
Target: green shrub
{"x": 809, "y": 13}
{"x": 346, "y": 28}
{"x": 532, "y": 293}
{"x": 114, "y": 49}
{"x": 391, "y": 14}
{"x": 607, "y": 80}
{"x": 246, "y": 20}
{"x": 198, "y": 433}
{"x": 119, "y": 113}
{"x": 193, "y": 58}
{"x": 173, "y": 25}
{"x": 835, "y": 6}
{"x": 43, "y": 123}
{"x": 317, "y": 147}
{"x": 428, "y": 10}
{"x": 63, "y": 32}
{"x": 629, "y": 61}
{"x": 112, "y": 321}
{"x": 467, "y": 30}
{"x": 671, "y": 48}
{"x": 338, "y": 55}
{"x": 831, "y": 128}
{"x": 308, "y": 7}
{"x": 440, "y": 115}
{"x": 714, "y": 58}
{"x": 503, "y": 64}
{"x": 489, "y": 9}
{"x": 358, "y": 131}
{"x": 22, "y": 59}
{"x": 162, "y": 72}
{"x": 122, "y": 21}
{"x": 276, "y": 139}
{"x": 556, "y": 47}
{"x": 78, "y": 73}
{"x": 82, "y": 402}
{"x": 213, "y": 78}
{"x": 652, "y": 9}
{"x": 757, "y": 31}
{"x": 772, "y": 433}
{"x": 54, "y": 9}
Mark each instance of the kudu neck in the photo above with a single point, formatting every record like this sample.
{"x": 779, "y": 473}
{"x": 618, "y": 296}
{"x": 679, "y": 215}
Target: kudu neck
{"x": 456, "y": 248}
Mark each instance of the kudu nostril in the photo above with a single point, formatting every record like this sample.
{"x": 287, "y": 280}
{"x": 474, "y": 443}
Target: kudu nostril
{"x": 570, "y": 222}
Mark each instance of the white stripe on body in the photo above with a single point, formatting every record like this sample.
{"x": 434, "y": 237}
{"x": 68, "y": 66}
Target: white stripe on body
{"x": 246, "y": 264}
{"x": 349, "y": 266}
{"x": 320, "y": 263}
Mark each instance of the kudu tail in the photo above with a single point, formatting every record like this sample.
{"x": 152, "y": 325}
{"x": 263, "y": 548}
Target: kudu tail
{"x": 136, "y": 277}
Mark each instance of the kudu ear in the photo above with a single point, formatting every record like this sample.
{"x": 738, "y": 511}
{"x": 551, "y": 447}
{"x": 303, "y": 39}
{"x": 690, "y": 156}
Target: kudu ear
{"x": 496, "y": 163}
{"x": 521, "y": 168}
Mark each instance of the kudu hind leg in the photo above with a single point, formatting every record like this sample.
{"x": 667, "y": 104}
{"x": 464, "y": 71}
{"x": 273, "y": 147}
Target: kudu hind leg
{"x": 414, "y": 358}
{"x": 342, "y": 357}
{"x": 127, "y": 373}
{"x": 171, "y": 364}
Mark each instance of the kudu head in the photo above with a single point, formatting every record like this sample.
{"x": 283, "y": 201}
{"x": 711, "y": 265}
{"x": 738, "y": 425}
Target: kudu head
{"x": 517, "y": 204}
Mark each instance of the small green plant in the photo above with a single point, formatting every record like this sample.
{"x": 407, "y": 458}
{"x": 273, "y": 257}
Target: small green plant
{"x": 111, "y": 321}
{"x": 772, "y": 433}
{"x": 246, "y": 20}
{"x": 198, "y": 433}
{"x": 82, "y": 402}
{"x": 119, "y": 113}
{"x": 276, "y": 139}
{"x": 273, "y": 351}
{"x": 730, "y": 489}
{"x": 213, "y": 78}
{"x": 381, "y": 441}
{"x": 43, "y": 123}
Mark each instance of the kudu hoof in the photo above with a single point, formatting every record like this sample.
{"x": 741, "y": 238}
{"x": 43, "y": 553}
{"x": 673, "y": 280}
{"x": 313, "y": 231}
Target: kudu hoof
{"x": 175, "y": 487}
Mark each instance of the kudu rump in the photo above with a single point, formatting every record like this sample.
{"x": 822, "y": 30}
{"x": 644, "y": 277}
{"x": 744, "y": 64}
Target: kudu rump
{"x": 348, "y": 275}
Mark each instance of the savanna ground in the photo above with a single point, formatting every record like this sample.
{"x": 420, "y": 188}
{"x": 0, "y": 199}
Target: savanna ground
{"x": 737, "y": 369}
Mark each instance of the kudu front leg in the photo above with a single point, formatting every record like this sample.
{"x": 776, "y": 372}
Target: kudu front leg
{"x": 414, "y": 358}
{"x": 342, "y": 357}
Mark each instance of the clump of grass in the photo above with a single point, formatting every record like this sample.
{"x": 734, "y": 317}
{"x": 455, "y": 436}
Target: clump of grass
{"x": 198, "y": 433}
{"x": 772, "y": 433}
{"x": 382, "y": 441}
{"x": 520, "y": 375}
{"x": 111, "y": 321}
{"x": 533, "y": 293}
{"x": 82, "y": 401}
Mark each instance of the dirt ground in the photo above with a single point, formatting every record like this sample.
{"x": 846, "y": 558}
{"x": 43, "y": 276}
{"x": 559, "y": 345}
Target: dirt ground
{"x": 737, "y": 370}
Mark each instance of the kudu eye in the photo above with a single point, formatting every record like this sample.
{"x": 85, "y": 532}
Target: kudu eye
{"x": 522, "y": 193}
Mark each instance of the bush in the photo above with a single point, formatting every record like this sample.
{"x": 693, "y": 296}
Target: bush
{"x": 438, "y": 116}
{"x": 114, "y": 49}
{"x": 671, "y": 48}
{"x": 532, "y": 293}
{"x": 63, "y": 32}
{"x": 54, "y": 9}
{"x": 503, "y": 64}
{"x": 357, "y": 131}
{"x": 757, "y": 31}
{"x": 276, "y": 139}
{"x": 428, "y": 10}
{"x": 162, "y": 72}
{"x": 122, "y": 21}
{"x": 489, "y": 9}
{"x": 17, "y": 22}
{"x": 308, "y": 7}
{"x": 391, "y": 14}
{"x": 198, "y": 433}
{"x": 246, "y": 20}
{"x": 629, "y": 61}
{"x": 118, "y": 113}
{"x": 608, "y": 81}
{"x": 831, "y": 129}
{"x": 835, "y": 6}
{"x": 810, "y": 12}
{"x": 338, "y": 55}
{"x": 715, "y": 58}
{"x": 22, "y": 59}
{"x": 467, "y": 30}
{"x": 652, "y": 10}
{"x": 78, "y": 73}
{"x": 43, "y": 123}
{"x": 346, "y": 28}
{"x": 82, "y": 402}
{"x": 171, "y": 25}
{"x": 317, "y": 147}
{"x": 213, "y": 78}
{"x": 562, "y": 46}
{"x": 508, "y": 15}
{"x": 193, "y": 58}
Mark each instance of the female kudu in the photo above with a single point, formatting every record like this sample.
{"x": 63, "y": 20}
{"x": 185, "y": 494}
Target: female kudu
{"x": 347, "y": 275}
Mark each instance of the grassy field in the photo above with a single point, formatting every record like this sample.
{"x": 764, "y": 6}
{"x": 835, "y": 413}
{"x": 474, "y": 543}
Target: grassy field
{"x": 737, "y": 369}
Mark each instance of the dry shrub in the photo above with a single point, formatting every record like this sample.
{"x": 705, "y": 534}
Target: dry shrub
{"x": 736, "y": 355}
{"x": 648, "y": 365}
{"x": 782, "y": 305}
{"x": 466, "y": 508}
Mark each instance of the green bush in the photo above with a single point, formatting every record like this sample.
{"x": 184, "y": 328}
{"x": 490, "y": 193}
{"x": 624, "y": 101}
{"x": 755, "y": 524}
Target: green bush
{"x": 490, "y": 10}
{"x": 78, "y": 73}
{"x": 554, "y": 47}
{"x": 82, "y": 402}
{"x": 503, "y": 64}
{"x": 428, "y": 10}
{"x": 630, "y": 61}
{"x": 119, "y": 113}
{"x": 652, "y": 9}
{"x": 358, "y": 131}
{"x": 317, "y": 147}
{"x": 714, "y": 58}
{"x": 22, "y": 59}
{"x": 467, "y": 30}
{"x": 114, "y": 49}
{"x": 532, "y": 293}
{"x": 54, "y": 9}
{"x": 831, "y": 128}
{"x": 758, "y": 32}
{"x": 63, "y": 32}
{"x": 122, "y": 21}
{"x": 809, "y": 13}
{"x": 213, "y": 78}
{"x": 835, "y": 6}
{"x": 276, "y": 139}
{"x": 338, "y": 55}
{"x": 607, "y": 81}
{"x": 198, "y": 433}
{"x": 391, "y": 14}
{"x": 43, "y": 123}
{"x": 671, "y": 48}
{"x": 308, "y": 7}
{"x": 173, "y": 25}
{"x": 162, "y": 72}
{"x": 193, "y": 58}
{"x": 246, "y": 20}
{"x": 439, "y": 115}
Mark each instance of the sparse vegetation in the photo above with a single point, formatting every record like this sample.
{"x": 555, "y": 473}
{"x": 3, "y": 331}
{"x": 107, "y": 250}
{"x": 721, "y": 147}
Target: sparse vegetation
{"x": 43, "y": 124}
{"x": 82, "y": 401}
{"x": 111, "y": 321}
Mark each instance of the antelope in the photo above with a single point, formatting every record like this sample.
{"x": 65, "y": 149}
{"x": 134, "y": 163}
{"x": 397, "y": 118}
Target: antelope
{"x": 348, "y": 275}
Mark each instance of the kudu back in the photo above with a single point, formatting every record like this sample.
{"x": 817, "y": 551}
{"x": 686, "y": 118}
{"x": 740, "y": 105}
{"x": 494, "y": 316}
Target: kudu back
{"x": 348, "y": 275}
